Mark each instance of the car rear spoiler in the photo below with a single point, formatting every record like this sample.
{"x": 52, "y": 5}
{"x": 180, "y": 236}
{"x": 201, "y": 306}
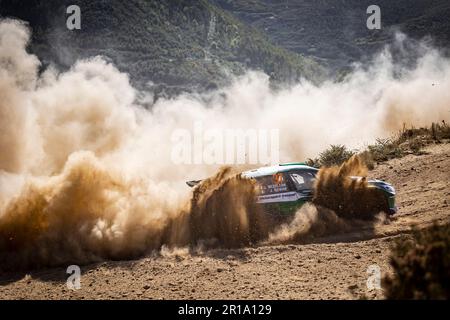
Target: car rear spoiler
{"x": 193, "y": 183}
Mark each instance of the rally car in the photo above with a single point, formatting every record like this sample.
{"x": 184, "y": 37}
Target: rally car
{"x": 284, "y": 188}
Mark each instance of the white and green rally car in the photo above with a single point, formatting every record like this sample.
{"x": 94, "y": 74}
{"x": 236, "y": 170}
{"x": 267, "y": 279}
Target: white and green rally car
{"x": 286, "y": 187}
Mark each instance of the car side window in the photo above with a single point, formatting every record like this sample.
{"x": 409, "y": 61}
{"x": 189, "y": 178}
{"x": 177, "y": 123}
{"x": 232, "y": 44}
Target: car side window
{"x": 303, "y": 179}
{"x": 272, "y": 184}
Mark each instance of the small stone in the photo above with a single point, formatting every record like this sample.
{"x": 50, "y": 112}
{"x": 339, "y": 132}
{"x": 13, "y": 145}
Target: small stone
{"x": 146, "y": 287}
{"x": 357, "y": 256}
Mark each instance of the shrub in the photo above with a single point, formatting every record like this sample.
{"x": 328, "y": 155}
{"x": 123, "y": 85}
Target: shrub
{"x": 313, "y": 162}
{"x": 385, "y": 149}
{"x": 440, "y": 131}
{"x": 335, "y": 155}
{"x": 421, "y": 266}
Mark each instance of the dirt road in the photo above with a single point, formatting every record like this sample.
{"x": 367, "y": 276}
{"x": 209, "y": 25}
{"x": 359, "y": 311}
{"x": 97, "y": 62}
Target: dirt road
{"x": 334, "y": 267}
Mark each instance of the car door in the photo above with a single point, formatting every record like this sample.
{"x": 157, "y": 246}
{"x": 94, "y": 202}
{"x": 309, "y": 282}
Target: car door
{"x": 276, "y": 194}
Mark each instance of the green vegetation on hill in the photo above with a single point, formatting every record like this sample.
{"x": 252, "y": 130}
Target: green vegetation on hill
{"x": 177, "y": 44}
{"x": 335, "y": 31}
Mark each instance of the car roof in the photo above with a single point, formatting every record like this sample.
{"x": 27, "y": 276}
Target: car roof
{"x": 266, "y": 171}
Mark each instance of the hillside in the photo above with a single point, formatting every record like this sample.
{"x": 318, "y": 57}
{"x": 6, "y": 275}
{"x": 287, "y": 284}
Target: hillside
{"x": 335, "y": 31}
{"x": 179, "y": 44}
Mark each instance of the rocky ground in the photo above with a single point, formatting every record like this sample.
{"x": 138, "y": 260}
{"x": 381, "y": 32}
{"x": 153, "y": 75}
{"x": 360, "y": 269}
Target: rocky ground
{"x": 333, "y": 267}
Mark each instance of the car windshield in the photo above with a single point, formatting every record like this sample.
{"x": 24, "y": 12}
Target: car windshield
{"x": 303, "y": 179}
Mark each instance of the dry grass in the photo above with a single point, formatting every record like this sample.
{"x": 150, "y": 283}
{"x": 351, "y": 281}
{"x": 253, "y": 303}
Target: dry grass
{"x": 406, "y": 141}
{"x": 409, "y": 141}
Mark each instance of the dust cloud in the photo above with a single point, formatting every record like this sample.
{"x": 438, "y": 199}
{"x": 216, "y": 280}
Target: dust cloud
{"x": 86, "y": 171}
{"x": 349, "y": 198}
